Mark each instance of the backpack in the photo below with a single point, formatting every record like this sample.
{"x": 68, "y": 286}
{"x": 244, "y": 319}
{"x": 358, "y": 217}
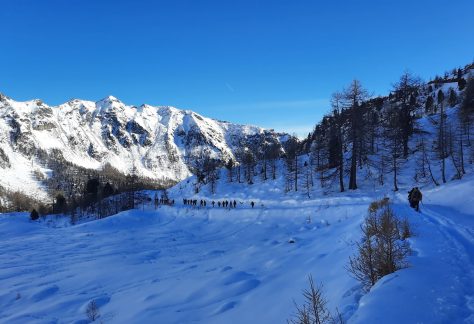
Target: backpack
{"x": 416, "y": 195}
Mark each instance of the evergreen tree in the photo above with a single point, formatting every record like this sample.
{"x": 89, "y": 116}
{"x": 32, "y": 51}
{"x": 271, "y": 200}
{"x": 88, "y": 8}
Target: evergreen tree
{"x": 393, "y": 135}
{"x": 272, "y": 152}
{"x": 60, "y": 205}
{"x": 230, "y": 167}
{"x": 108, "y": 190}
{"x": 406, "y": 90}
{"x": 291, "y": 154}
{"x": 461, "y": 84}
{"x": 467, "y": 106}
{"x": 338, "y": 137}
{"x": 249, "y": 162}
{"x": 429, "y": 104}
{"x": 442, "y": 135}
{"x": 466, "y": 113}
{"x": 354, "y": 96}
{"x": 453, "y": 98}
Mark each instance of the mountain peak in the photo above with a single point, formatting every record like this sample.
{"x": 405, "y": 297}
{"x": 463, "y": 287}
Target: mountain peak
{"x": 109, "y": 99}
{"x": 109, "y": 103}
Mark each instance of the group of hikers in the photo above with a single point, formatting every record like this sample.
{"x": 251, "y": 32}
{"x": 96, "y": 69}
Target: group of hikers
{"x": 414, "y": 198}
{"x": 204, "y": 203}
{"x": 164, "y": 201}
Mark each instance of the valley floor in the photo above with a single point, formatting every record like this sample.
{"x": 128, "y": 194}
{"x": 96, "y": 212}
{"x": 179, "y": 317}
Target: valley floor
{"x": 184, "y": 265}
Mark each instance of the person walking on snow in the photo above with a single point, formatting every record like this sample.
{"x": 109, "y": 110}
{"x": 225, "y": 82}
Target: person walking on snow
{"x": 414, "y": 198}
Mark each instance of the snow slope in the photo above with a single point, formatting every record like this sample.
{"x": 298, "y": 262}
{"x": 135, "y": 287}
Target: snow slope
{"x": 213, "y": 265}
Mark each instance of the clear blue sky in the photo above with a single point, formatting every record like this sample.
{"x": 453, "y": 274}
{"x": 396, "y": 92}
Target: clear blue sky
{"x": 269, "y": 63}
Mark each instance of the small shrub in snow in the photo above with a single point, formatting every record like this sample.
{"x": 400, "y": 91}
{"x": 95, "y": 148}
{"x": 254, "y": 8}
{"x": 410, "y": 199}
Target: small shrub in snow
{"x": 406, "y": 230}
{"x": 378, "y": 204}
{"x": 92, "y": 311}
{"x": 383, "y": 248}
{"x": 43, "y": 210}
{"x": 314, "y": 308}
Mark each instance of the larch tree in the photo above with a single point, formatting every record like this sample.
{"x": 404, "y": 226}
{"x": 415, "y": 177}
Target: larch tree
{"x": 354, "y": 96}
{"x": 291, "y": 152}
{"x": 394, "y": 143}
{"x": 406, "y": 91}
{"x": 337, "y": 106}
{"x": 442, "y": 135}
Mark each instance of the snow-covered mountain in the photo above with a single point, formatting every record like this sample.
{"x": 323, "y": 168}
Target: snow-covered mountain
{"x": 159, "y": 142}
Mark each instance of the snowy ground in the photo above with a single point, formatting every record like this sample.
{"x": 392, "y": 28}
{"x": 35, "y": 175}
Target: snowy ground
{"x": 184, "y": 265}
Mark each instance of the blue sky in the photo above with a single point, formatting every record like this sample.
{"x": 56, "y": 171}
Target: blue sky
{"x": 269, "y": 63}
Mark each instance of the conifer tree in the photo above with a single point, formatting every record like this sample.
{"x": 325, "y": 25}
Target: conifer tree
{"x": 442, "y": 135}
{"x": 453, "y": 98}
{"x": 354, "y": 96}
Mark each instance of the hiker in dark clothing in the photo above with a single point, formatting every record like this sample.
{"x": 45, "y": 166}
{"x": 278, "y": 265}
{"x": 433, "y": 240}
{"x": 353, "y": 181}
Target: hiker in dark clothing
{"x": 414, "y": 198}
{"x": 219, "y": 203}
{"x": 213, "y": 202}
{"x": 235, "y": 203}
{"x": 252, "y": 204}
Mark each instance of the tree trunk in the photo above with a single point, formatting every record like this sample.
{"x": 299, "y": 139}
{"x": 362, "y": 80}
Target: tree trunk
{"x": 273, "y": 169}
{"x": 341, "y": 160}
{"x": 395, "y": 186}
{"x": 443, "y": 145}
{"x": 353, "y": 173}
{"x": 461, "y": 154}
{"x": 296, "y": 172}
{"x": 264, "y": 169}
{"x": 429, "y": 167}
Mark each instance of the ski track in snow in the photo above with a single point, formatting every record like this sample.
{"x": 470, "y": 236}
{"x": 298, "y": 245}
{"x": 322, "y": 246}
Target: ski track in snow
{"x": 459, "y": 240}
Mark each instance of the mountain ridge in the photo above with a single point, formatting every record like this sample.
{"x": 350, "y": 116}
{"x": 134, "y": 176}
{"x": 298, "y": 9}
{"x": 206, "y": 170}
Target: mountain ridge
{"x": 156, "y": 142}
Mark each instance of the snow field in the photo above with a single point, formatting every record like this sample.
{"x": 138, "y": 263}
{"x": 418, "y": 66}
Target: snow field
{"x": 213, "y": 265}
